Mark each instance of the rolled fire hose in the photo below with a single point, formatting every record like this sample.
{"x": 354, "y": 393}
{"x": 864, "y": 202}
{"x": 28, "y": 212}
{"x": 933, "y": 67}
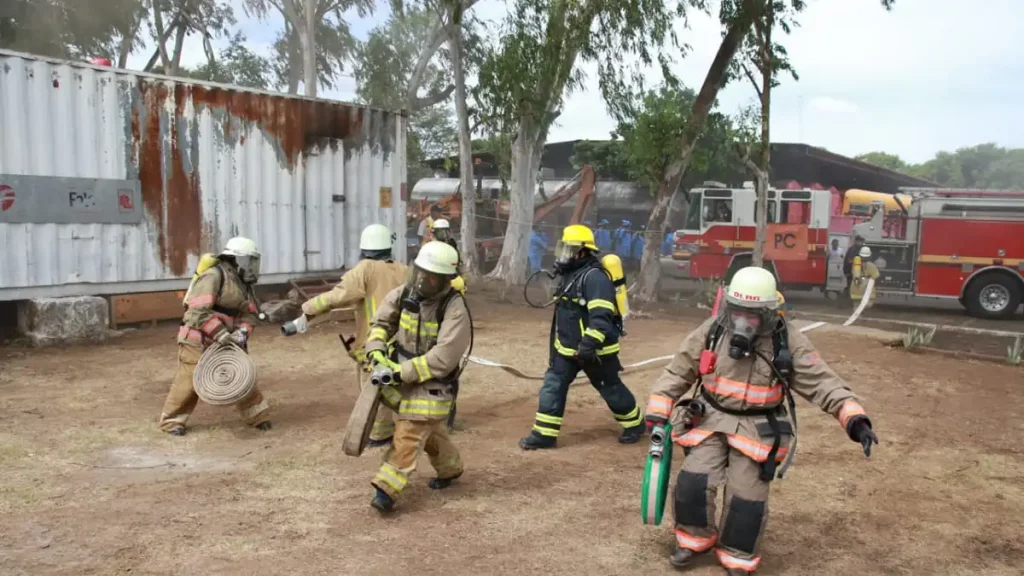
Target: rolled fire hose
{"x": 224, "y": 375}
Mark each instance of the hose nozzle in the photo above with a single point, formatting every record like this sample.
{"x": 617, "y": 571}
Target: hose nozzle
{"x": 289, "y": 328}
{"x": 382, "y": 377}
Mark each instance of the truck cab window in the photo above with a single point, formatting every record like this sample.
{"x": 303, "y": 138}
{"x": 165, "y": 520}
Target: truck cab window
{"x": 796, "y": 212}
{"x": 772, "y": 209}
{"x": 693, "y": 213}
{"x": 716, "y": 210}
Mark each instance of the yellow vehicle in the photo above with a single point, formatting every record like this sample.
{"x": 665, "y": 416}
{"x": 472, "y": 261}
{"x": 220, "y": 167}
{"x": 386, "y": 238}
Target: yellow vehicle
{"x": 858, "y": 202}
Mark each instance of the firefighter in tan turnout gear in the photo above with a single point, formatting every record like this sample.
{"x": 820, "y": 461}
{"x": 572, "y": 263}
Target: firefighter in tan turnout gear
{"x": 219, "y": 307}
{"x": 365, "y": 286}
{"x": 432, "y": 328}
{"x": 744, "y": 364}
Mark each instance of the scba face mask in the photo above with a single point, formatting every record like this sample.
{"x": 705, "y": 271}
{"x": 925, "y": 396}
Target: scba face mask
{"x": 565, "y": 255}
{"x": 746, "y": 325}
{"x": 248, "y": 268}
{"x": 424, "y": 285}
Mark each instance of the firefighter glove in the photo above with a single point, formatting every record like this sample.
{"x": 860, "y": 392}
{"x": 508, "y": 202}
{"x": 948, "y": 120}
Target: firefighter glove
{"x": 240, "y": 337}
{"x": 588, "y": 352}
{"x": 301, "y": 324}
{"x": 860, "y": 431}
{"x": 377, "y": 358}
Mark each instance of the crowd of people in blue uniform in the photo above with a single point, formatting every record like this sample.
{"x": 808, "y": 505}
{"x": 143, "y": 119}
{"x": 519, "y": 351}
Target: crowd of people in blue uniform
{"x": 622, "y": 241}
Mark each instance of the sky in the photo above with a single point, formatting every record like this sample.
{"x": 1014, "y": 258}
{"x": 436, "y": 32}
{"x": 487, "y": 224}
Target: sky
{"x": 931, "y": 75}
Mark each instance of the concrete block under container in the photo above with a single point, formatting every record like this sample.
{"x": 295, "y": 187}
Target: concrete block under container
{"x": 51, "y": 321}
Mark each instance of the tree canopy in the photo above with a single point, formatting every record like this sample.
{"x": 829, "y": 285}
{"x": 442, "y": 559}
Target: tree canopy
{"x": 646, "y": 141}
{"x": 982, "y": 166}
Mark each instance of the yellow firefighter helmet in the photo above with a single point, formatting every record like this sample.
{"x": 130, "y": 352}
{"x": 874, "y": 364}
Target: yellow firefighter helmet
{"x": 579, "y": 236}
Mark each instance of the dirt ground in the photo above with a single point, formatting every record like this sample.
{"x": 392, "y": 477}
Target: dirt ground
{"x": 89, "y": 486}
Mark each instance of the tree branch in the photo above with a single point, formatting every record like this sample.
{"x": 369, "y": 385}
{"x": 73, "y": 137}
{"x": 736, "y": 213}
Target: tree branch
{"x": 753, "y": 81}
{"x": 163, "y": 35}
{"x": 327, "y": 7}
{"x": 160, "y": 44}
{"x": 431, "y": 99}
{"x": 179, "y": 44}
{"x": 436, "y": 40}
{"x": 291, "y": 13}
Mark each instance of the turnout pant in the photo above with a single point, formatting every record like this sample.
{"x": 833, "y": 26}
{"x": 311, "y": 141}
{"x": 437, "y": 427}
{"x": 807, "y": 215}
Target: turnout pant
{"x": 383, "y": 425}
{"x": 181, "y": 399}
{"x": 412, "y": 437}
{"x": 604, "y": 377}
{"x": 707, "y": 466}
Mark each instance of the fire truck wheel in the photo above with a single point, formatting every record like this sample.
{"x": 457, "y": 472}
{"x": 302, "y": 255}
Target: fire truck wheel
{"x": 993, "y": 296}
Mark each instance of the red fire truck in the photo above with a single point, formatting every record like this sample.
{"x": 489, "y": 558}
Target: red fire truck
{"x": 963, "y": 244}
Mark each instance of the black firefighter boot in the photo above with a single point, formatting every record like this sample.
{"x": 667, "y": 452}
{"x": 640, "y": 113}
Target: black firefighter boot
{"x": 382, "y": 502}
{"x": 442, "y": 483}
{"x": 537, "y": 441}
{"x": 633, "y": 435}
{"x": 682, "y": 558}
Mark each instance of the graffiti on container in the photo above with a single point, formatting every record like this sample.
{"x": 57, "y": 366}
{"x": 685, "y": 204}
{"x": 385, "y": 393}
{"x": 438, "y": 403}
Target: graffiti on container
{"x": 60, "y": 200}
{"x": 6, "y": 198}
{"x": 81, "y": 199}
{"x": 124, "y": 201}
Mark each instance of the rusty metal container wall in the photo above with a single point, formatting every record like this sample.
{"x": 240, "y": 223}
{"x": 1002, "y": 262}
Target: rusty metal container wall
{"x": 302, "y": 177}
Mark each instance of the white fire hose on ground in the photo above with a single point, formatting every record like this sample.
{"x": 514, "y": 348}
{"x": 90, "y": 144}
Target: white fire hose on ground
{"x": 647, "y": 364}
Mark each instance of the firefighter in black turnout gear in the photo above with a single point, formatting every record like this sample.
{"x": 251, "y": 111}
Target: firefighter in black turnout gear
{"x": 585, "y": 334}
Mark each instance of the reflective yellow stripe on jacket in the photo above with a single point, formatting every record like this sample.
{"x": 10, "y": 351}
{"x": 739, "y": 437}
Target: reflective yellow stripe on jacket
{"x": 370, "y": 307}
{"x": 413, "y": 324}
{"x": 424, "y": 407}
{"x": 378, "y": 333}
{"x": 593, "y": 304}
{"x": 599, "y": 303}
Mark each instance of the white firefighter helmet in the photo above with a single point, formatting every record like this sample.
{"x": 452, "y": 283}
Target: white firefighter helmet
{"x": 239, "y": 246}
{"x": 376, "y": 237}
{"x": 433, "y": 270}
{"x": 865, "y": 252}
{"x": 246, "y": 256}
{"x": 753, "y": 287}
{"x": 442, "y": 230}
{"x": 438, "y": 257}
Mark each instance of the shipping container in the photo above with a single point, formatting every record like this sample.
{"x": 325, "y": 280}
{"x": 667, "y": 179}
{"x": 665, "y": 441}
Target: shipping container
{"x": 113, "y": 181}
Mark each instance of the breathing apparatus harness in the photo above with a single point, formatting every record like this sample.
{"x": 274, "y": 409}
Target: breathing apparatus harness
{"x": 782, "y": 370}
{"x": 571, "y": 291}
{"x": 247, "y": 289}
{"x": 409, "y": 302}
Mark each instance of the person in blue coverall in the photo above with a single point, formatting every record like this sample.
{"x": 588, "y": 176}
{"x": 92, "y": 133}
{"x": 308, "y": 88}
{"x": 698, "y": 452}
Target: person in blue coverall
{"x": 622, "y": 241}
{"x": 538, "y": 245}
{"x": 639, "y": 241}
{"x": 668, "y": 243}
{"x": 603, "y": 236}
